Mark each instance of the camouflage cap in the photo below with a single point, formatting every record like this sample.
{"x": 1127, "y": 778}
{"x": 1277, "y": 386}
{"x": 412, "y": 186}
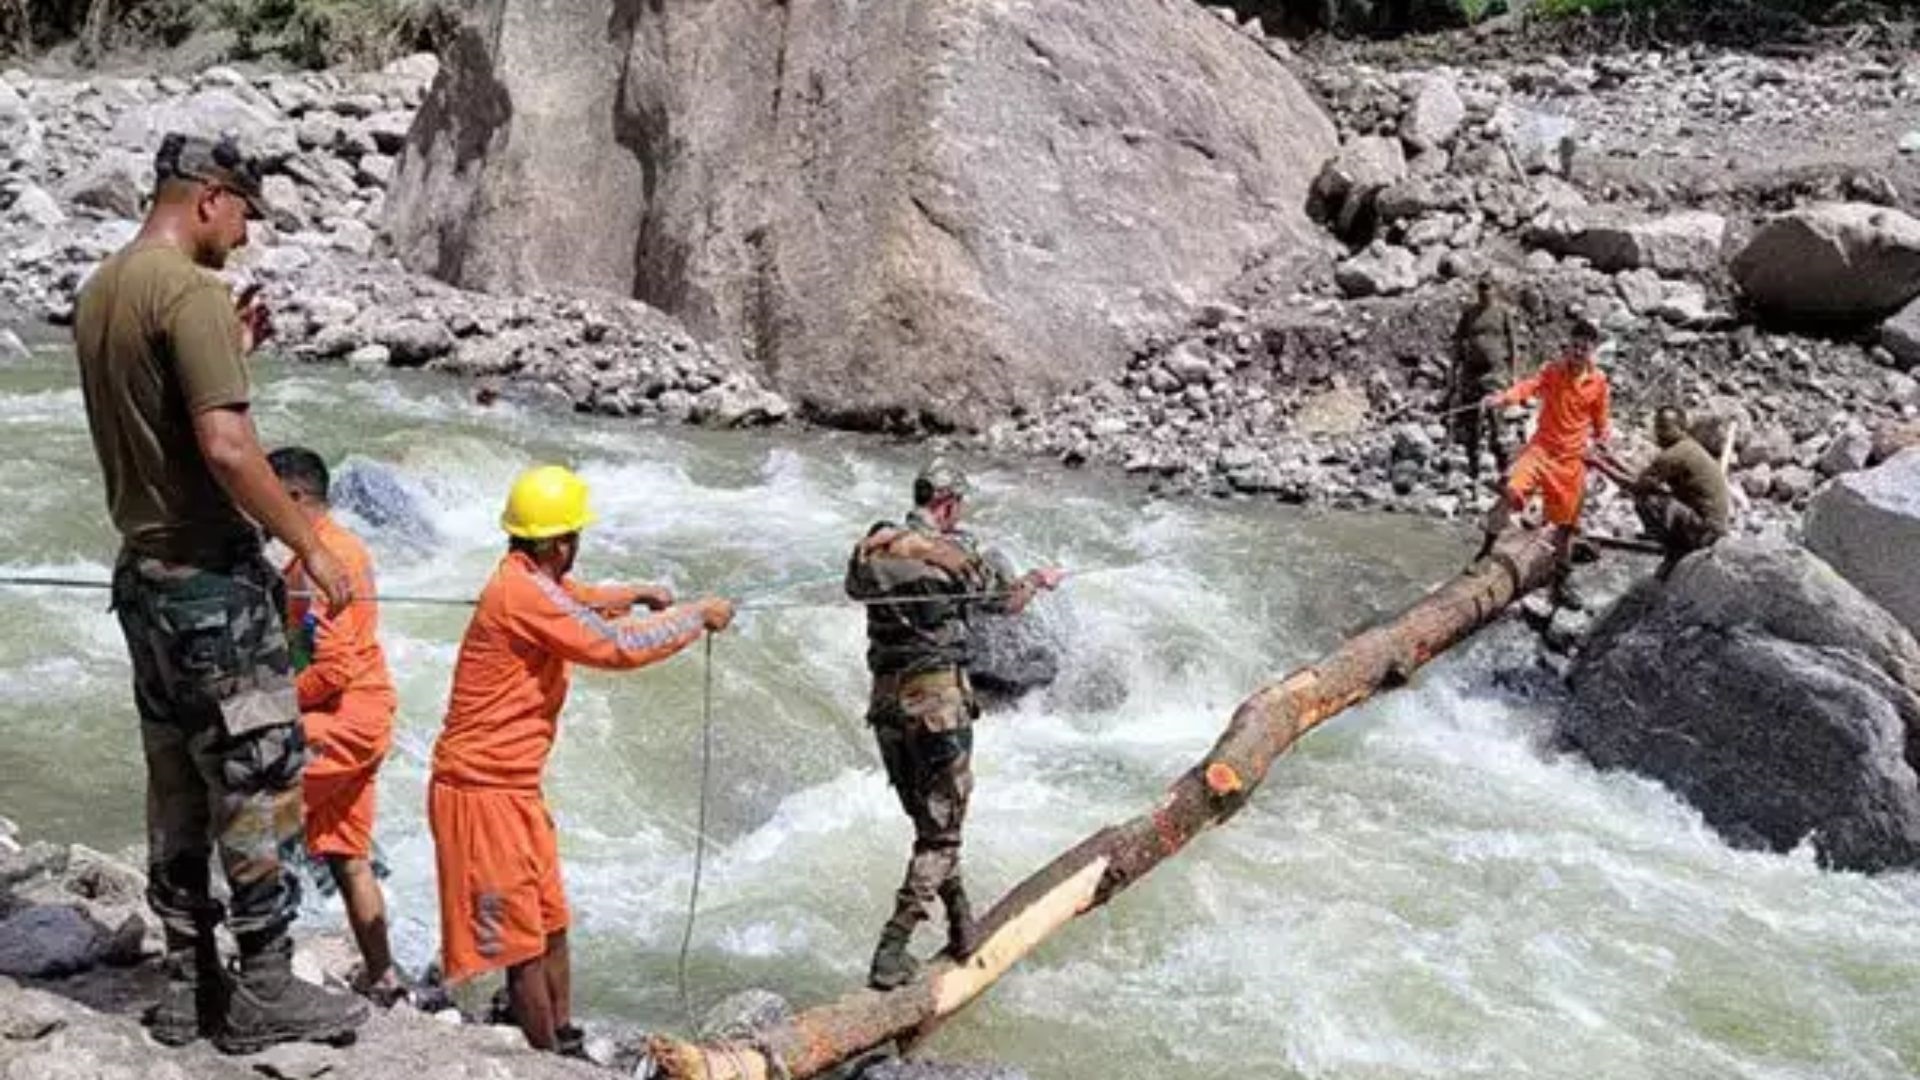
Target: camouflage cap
{"x": 211, "y": 161}
{"x": 941, "y": 476}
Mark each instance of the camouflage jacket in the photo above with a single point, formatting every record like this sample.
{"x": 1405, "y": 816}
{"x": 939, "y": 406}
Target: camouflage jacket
{"x": 938, "y": 576}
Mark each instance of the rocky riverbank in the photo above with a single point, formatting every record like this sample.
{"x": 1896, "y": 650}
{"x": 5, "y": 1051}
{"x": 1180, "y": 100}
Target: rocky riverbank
{"x": 1625, "y": 186}
{"x": 75, "y": 164}
{"x": 79, "y": 961}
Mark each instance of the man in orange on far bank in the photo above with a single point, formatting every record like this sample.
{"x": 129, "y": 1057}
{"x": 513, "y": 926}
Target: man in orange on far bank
{"x": 346, "y": 716}
{"x": 1574, "y": 411}
{"x": 501, "y": 900}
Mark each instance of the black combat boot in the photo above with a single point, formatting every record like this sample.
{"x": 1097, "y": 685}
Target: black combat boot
{"x": 268, "y": 1005}
{"x": 174, "y": 1020}
{"x": 962, "y": 931}
{"x": 892, "y": 966}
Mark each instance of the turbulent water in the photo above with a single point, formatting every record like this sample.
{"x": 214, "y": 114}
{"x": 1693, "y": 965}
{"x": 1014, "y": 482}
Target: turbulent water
{"x": 1420, "y": 891}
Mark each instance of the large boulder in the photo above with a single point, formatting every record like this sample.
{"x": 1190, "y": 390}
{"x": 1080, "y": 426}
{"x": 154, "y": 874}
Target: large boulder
{"x": 1684, "y": 244}
{"x": 1832, "y": 262}
{"x": 1768, "y": 692}
{"x": 1867, "y": 525}
{"x": 905, "y": 212}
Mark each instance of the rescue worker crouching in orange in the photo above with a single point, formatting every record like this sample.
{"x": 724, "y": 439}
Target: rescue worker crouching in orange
{"x": 347, "y": 704}
{"x": 501, "y": 900}
{"x": 1575, "y": 411}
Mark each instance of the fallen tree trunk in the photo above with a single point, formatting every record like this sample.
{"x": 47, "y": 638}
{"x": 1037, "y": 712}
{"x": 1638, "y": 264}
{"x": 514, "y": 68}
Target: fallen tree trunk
{"x": 1262, "y": 728}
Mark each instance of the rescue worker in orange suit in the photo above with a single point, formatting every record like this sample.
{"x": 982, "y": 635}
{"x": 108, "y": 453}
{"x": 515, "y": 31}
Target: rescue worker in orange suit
{"x": 1575, "y": 411}
{"x": 347, "y": 705}
{"x": 501, "y": 900}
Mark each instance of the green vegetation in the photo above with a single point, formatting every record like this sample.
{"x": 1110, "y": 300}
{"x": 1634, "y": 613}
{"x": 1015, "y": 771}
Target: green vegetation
{"x": 322, "y": 33}
{"x": 309, "y": 33}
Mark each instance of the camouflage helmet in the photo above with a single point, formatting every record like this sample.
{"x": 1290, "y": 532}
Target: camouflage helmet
{"x": 940, "y": 477}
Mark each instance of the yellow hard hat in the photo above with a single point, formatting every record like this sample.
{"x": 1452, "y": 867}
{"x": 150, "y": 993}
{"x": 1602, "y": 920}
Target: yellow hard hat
{"x": 545, "y": 502}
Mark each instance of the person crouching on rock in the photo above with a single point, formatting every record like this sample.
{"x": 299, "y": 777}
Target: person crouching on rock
{"x": 1574, "y": 410}
{"x": 1681, "y": 495}
{"x": 922, "y": 707}
{"x": 346, "y": 717}
{"x": 501, "y": 900}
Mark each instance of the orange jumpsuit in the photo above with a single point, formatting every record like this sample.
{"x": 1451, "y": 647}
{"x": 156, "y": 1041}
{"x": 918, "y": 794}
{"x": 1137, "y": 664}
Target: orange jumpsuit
{"x": 494, "y": 843}
{"x": 346, "y": 703}
{"x": 1555, "y": 460}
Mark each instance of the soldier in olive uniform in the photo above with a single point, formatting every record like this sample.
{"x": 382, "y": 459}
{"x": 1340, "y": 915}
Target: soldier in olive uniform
{"x": 1486, "y": 361}
{"x": 920, "y": 579}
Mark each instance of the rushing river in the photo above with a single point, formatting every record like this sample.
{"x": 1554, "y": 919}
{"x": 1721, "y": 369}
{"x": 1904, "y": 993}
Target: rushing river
{"x": 1420, "y": 891}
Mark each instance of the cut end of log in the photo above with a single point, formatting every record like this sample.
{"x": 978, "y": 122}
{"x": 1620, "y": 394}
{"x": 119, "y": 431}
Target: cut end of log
{"x": 1223, "y": 780}
{"x": 676, "y": 1060}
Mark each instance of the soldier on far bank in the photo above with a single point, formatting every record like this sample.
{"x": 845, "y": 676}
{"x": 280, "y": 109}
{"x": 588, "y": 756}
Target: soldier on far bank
{"x": 1485, "y": 361}
{"x": 1681, "y": 495}
{"x": 920, "y": 580}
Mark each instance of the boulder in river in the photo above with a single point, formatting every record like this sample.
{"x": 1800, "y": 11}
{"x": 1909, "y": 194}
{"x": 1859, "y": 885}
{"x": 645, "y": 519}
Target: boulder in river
{"x": 1867, "y": 526}
{"x": 375, "y": 494}
{"x": 1772, "y": 695}
{"x": 908, "y": 213}
{"x": 1832, "y": 262}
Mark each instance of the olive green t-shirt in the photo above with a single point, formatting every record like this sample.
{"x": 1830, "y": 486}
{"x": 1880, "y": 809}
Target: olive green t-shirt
{"x": 158, "y": 342}
{"x": 1694, "y": 478}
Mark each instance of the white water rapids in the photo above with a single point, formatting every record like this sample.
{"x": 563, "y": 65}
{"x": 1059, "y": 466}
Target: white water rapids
{"x": 1419, "y": 891}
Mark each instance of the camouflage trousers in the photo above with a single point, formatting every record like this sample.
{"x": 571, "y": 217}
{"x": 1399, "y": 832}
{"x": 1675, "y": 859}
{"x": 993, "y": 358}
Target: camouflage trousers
{"x": 220, "y": 726}
{"x": 924, "y": 726}
{"x": 1679, "y": 528}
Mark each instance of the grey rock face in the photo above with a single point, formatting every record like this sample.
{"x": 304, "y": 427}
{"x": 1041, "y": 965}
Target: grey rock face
{"x": 1768, "y": 692}
{"x": 1832, "y": 261}
{"x": 905, "y": 211}
{"x": 1867, "y": 525}
{"x": 1901, "y": 336}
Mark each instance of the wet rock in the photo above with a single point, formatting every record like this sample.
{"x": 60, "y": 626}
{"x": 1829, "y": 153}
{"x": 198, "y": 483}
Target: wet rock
{"x": 1013, "y": 655}
{"x": 1768, "y": 692}
{"x": 370, "y": 356}
{"x": 1833, "y": 261}
{"x": 1867, "y": 526}
{"x": 51, "y": 941}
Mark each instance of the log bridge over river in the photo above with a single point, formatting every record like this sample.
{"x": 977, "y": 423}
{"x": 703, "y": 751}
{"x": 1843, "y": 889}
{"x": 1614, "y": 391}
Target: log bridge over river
{"x": 1265, "y": 726}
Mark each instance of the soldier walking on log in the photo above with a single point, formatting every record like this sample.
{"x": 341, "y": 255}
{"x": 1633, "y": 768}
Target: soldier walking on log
{"x": 920, "y": 579}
